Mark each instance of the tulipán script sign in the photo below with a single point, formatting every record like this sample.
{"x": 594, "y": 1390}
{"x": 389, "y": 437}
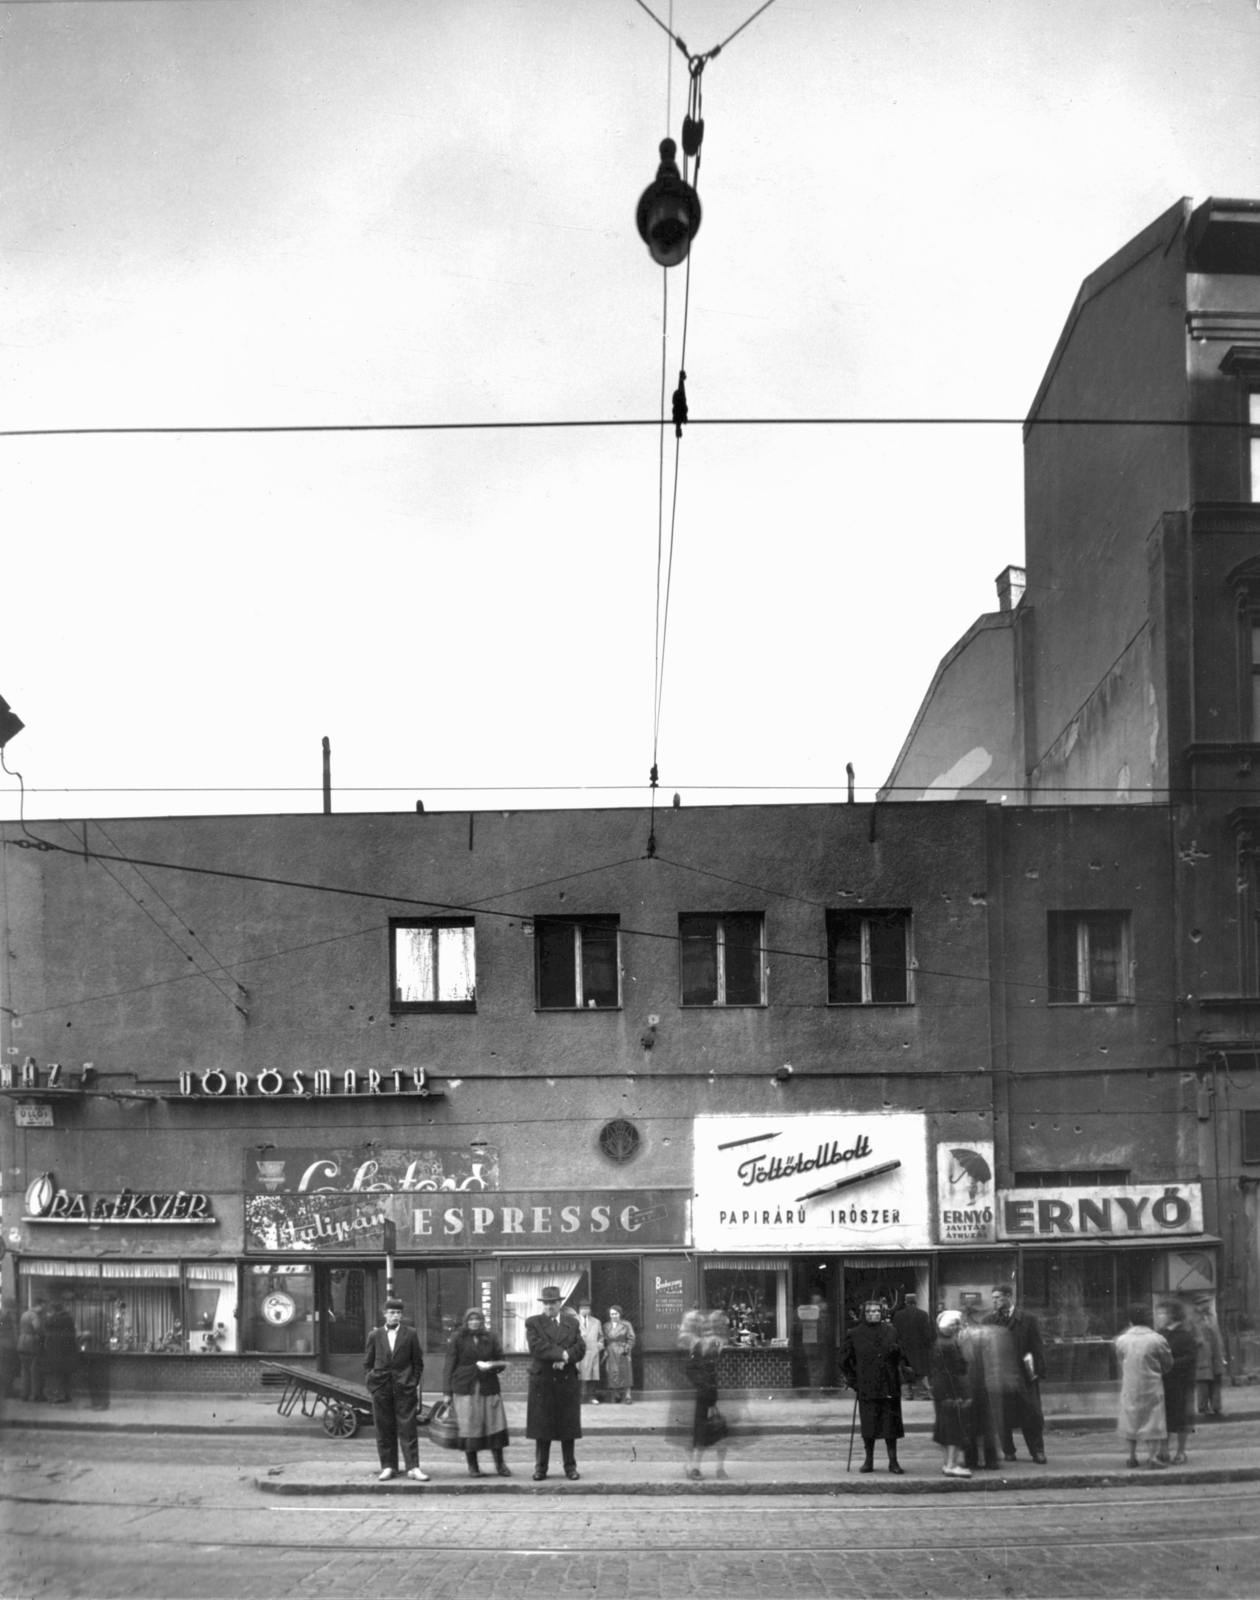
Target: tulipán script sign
{"x": 1122, "y": 1211}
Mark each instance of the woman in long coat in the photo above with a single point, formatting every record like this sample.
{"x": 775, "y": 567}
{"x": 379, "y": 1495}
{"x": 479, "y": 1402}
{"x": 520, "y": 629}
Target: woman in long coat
{"x": 618, "y": 1343}
{"x": 1144, "y": 1359}
{"x": 470, "y": 1382}
{"x": 951, "y": 1393}
{"x": 1179, "y": 1380}
{"x": 708, "y": 1426}
{"x": 870, "y": 1359}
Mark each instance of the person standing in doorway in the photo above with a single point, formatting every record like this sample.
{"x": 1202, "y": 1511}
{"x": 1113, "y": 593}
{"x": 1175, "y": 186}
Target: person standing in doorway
{"x": 394, "y": 1363}
{"x": 1211, "y": 1364}
{"x": 871, "y": 1362}
{"x": 916, "y": 1336}
{"x": 593, "y": 1339}
{"x": 31, "y": 1351}
{"x": 1179, "y": 1380}
{"x": 1023, "y": 1403}
{"x": 618, "y": 1343}
{"x": 554, "y": 1407}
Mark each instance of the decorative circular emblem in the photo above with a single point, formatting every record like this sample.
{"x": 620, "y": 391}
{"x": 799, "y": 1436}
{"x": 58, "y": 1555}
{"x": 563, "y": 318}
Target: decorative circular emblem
{"x": 619, "y": 1139}
{"x": 39, "y": 1195}
{"x": 278, "y": 1309}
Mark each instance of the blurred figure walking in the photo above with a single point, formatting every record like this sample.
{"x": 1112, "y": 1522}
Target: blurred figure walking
{"x": 951, "y": 1394}
{"x": 1179, "y": 1379}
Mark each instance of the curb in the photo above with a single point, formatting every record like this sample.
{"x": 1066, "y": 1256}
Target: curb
{"x": 982, "y": 1484}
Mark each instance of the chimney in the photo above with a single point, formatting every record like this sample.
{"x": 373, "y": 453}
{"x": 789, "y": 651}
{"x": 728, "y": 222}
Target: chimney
{"x": 1010, "y": 587}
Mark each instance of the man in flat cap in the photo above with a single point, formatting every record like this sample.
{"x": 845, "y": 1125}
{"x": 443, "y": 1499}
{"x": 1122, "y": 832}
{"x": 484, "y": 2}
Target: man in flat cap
{"x": 554, "y": 1409}
{"x": 394, "y": 1364}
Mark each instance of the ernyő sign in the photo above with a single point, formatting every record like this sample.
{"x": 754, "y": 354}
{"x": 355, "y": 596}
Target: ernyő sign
{"x": 1122, "y": 1211}
{"x": 966, "y": 1200}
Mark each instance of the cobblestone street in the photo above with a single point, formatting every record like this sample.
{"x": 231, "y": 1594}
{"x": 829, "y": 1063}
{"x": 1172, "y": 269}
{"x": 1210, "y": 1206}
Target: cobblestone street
{"x": 110, "y": 1515}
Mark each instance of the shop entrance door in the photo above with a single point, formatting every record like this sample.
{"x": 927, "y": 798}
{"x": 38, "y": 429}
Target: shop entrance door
{"x": 615, "y": 1282}
{"x": 350, "y": 1301}
{"x": 813, "y": 1340}
{"x": 890, "y": 1280}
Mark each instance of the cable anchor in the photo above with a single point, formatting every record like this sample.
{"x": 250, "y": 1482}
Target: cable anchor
{"x": 680, "y": 412}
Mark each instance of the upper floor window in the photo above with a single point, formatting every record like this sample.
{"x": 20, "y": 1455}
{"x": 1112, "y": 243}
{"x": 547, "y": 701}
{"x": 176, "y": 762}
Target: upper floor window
{"x": 1089, "y": 958}
{"x": 578, "y": 964}
{"x": 868, "y": 958}
{"x": 1253, "y": 429}
{"x": 432, "y": 964}
{"x": 722, "y": 959}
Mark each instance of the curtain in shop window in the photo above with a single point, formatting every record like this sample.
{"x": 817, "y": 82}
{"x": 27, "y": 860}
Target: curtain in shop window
{"x": 523, "y": 1299}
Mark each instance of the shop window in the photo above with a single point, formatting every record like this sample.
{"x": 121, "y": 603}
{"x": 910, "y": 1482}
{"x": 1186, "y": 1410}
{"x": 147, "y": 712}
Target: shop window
{"x": 1251, "y": 1136}
{"x": 1081, "y": 1299}
{"x": 523, "y": 1284}
{"x": 965, "y": 1279}
{"x": 432, "y": 964}
{"x": 1089, "y": 957}
{"x": 446, "y": 1299}
{"x": 279, "y": 1309}
{"x": 132, "y": 1307}
{"x": 722, "y": 959}
{"x": 1073, "y": 1178}
{"x": 578, "y": 964}
{"x": 210, "y": 1303}
{"x": 754, "y": 1297}
{"x": 868, "y": 958}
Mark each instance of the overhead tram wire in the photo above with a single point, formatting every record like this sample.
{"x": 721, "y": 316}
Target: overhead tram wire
{"x": 154, "y": 430}
{"x": 660, "y": 489}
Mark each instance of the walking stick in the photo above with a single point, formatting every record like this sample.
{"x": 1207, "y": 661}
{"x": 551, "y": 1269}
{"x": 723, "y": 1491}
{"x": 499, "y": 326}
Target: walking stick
{"x": 852, "y": 1430}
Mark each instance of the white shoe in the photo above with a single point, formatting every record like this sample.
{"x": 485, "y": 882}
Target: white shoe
{"x": 386, "y": 1473}
{"x": 418, "y": 1474}
{"x": 957, "y": 1472}
{"x": 594, "y": 1401}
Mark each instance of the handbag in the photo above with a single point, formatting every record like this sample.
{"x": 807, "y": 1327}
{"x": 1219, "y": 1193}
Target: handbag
{"x": 443, "y": 1427}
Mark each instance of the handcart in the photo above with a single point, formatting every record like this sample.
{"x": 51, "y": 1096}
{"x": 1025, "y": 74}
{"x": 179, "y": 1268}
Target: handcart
{"x": 340, "y": 1405}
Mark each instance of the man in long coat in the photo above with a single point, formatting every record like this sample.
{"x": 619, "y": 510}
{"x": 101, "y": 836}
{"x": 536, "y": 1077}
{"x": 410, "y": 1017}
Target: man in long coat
{"x": 554, "y": 1408}
{"x": 870, "y": 1359}
{"x": 916, "y": 1334}
{"x": 592, "y": 1333}
{"x": 394, "y": 1363}
{"x": 1022, "y": 1403}
{"x": 31, "y": 1351}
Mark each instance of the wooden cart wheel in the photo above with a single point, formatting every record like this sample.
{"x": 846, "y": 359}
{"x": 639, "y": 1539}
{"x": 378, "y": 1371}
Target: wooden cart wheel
{"x": 341, "y": 1421}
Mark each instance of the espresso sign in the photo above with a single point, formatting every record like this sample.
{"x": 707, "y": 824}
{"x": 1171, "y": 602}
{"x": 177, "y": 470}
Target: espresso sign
{"x": 599, "y": 1219}
{"x": 835, "y": 1180}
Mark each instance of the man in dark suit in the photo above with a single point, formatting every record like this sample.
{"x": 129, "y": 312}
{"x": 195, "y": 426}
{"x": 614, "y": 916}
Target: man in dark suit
{"x": 554, "y": 1408}
{"x": 394, "y": 1364}
{"x": 916, "y": 1334}
{"x": 1023, "y": 1401}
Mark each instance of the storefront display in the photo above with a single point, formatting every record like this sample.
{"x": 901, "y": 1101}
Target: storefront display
{"x": 141, "y": 1307}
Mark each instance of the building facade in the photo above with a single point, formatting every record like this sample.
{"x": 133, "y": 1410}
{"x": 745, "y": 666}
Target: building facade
{"x": 1131, "y": 671}
{"x": 257, "y": 1067}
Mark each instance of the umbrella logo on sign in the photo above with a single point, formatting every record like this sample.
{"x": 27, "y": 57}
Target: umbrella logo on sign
{"x": 969, "y": 1167}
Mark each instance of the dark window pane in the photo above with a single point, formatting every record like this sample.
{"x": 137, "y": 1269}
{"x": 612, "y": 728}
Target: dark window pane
{"x": 1104, "y": 958}
{"x": 556, "y": 972}
{"x": 599, "y": 964}
{"x": 888, "y": 957}
{"x": 698, "y": 936}
{"x": 844, "y": 967}
{"x": 743, "y": 960}
{"x": 1063, "y": 979}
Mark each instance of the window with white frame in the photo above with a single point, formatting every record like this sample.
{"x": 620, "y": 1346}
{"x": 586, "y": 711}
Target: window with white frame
{"x": 432, "y": 964}
{"x": 722, "y": 959}
{"x": 577, "y": 962}
{"x": 868, "y": 958}
{"x": 1253, "y": 431}
{"x": 1089, "y": 958}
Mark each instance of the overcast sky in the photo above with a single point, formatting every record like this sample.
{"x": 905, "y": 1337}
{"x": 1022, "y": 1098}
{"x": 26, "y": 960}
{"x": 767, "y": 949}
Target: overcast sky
{"x": 262, "y": 212}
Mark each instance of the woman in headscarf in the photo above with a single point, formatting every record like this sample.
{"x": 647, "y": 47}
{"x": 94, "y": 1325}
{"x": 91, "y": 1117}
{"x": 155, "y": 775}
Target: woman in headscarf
{"x": 870, "y": 1359}
{"x": 618, "y": 1343}
{"x": 1144, "y": 1359}
{"x": 474, "y": 1360}
{"x": 951, "y": 1393}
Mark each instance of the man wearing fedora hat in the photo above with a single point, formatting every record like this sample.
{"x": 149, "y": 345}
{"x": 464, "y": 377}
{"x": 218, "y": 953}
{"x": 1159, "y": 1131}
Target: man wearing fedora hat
{"x": 394, "y": 1363}
{"x": 554, "y": 1408}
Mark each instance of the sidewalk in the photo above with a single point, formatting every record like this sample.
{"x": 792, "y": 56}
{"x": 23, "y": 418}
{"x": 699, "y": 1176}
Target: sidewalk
{"x": 781, "y": 1445}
